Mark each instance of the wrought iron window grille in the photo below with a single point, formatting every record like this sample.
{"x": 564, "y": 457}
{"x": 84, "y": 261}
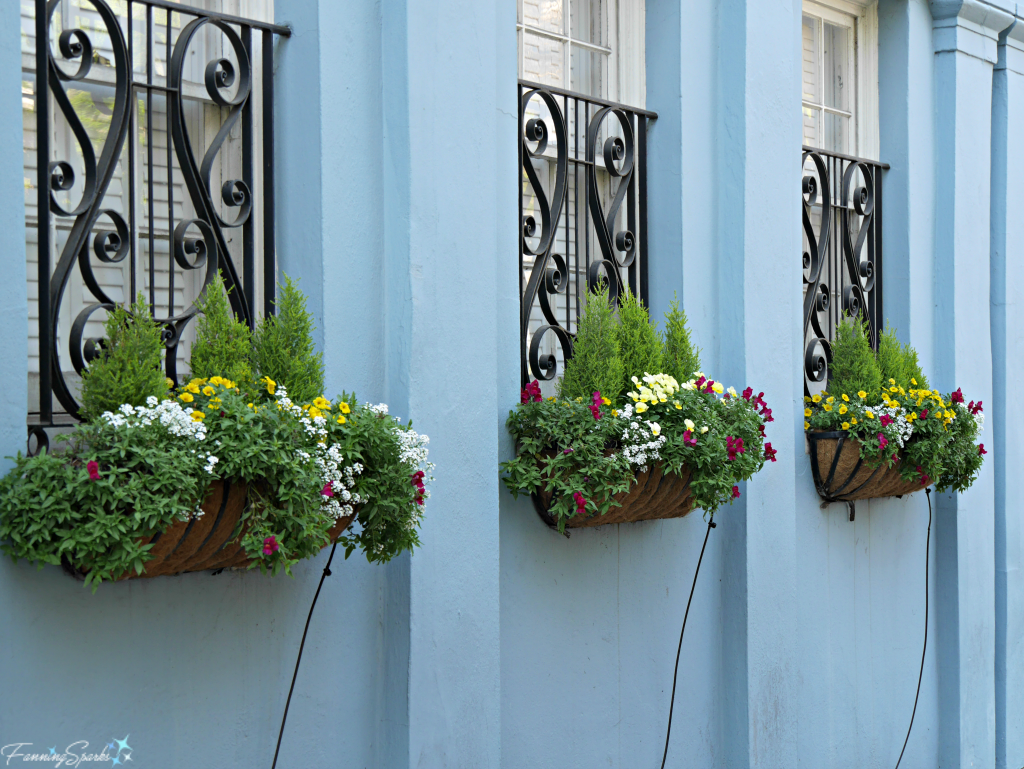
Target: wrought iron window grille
{"x": 583, "y": 209}
{"x": 98, "y": 233}
{"x": 842, "y": 254}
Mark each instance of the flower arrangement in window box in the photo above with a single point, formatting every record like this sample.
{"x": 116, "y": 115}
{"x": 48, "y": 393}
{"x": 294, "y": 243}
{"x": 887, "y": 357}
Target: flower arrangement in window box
{"x": 225, "y": 471}
{"x": 621, "y": 444}
{"x": 879, "y": 430}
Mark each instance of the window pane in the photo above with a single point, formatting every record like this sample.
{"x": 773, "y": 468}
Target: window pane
{"x": 589, "y": 72}
{"x": 544, "y": 14}
{"x": 812, "y": 90}
{"x": 836, "y": 56}
{"x": 837, "y": 133}
{"x": 812, "y": 117}
{"x": 543, "y": 60}
{"x": 587, "y": 20}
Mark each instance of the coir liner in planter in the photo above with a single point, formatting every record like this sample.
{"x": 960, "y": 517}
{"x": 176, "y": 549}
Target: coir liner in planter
{"x": 840, "y": 475}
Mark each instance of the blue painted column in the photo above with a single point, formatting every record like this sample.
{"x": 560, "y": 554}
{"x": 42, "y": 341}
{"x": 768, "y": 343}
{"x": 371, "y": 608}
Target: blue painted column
{"x": 759, "y": 308}
{"x": 965, "y": 36}
{"x": 1005, "y": 424}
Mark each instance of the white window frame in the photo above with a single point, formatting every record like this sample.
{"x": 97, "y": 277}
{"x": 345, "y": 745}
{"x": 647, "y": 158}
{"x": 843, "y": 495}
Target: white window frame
{"x": 863, "y": 20}
{"x": 625, "y": 25}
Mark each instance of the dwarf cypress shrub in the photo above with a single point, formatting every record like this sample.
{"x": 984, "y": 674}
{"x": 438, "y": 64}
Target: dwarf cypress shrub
{"x": 283, "y": 347}
{"x": 899, "y": 362}
{"x": 640, "y": 344}
{"x": 129, "y": 370}
{"x": 595, "y": 365}
{"x": 223, "y": 345}
{"x": 854, "y": 366}
{"x": 680, "y": 358}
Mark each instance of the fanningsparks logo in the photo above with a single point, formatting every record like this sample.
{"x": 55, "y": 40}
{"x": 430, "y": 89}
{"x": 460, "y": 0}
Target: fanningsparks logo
{"x": 118, "y": 752}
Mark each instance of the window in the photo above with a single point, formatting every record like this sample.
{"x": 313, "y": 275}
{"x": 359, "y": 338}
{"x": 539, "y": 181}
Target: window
{"x": 130, "y": 247}
{"x": 840, "y": 82}
{"x": 583, "y": 167}
{"x": 599, "y": 43}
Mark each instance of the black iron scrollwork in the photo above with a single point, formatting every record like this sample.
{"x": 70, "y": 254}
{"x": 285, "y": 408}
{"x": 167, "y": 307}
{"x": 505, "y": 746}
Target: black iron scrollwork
{"x": 617, "y": 154}
{"x": 196, "y": 244}
{"x": 549, "y": 274}
{"x": 845, "y": 270}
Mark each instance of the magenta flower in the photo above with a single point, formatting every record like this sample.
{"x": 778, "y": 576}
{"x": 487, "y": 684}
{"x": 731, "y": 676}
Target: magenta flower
{"x": 94, "y": 470}
{"x": 734, "y": 446}
{"x": 924, "y": 414}
{"x": 981, "y": 449}
{"x": 760, "y": 429}
{"x": 699, "y": 383}
{"x": 769, "y": 452}
{"x": 925, "y": 480}
{"x": 567, "y": 451}
{"x": 531, "y": 393}
{"x": 710, "y": 387}
{"x": 417, "y": 481}
{"x": 735, "y": 492}
{"x": 270, "y": 546}
{"x": 688, "y": 439}
{"x": 581, "y": 502}
{"x": 882, "y": 441}
{"x": 957, "y": 397}
{"x": 327, "y": 491}
{"x": 595, "y": 412}
{"x": 886, "y": 420}
{"x": 974, "y": 408}
{"x": 748, "y": 393}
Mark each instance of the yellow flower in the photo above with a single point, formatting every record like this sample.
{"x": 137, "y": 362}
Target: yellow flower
{"x": 229, "y": 384}
{"x": 615, "y": 413}
{"x": 807, "y": 412}
{"x": 215, "y": 401}
{"x": 828, "y": 407}
{"x": 322, "y": 403}
{"x": 185, "y": 397}
{"x": 341, "y": 419}
{"x": 641, "y": 408}
{"x": 816, "y": 398}
{"x": 853, "y": 420}
{"x": 894, "y": 404}
{"x": 846, "y": 398}
{"x": 216, "y": 380}
{"x": 894, "y": 389}
{"x": 862, "y": 395}
{"x": 346, "y": 409}
{"x": 248, "y": 405}
{"x": 315, "y": 412}
{"x": 344, "y": 406}
{"x": 169, "y": 382}
{"x": 807, "y": 425}
{"x": 193, "y": 388}
{"x": 913, "y": 381}
{"x": 270, "y": 383}
{"x": 870, "y": 414}
{"x": 689, "y": 424}
{"x": 198, "y": 416}
{"x": 846, "y": 425}
{"x": 208, "y": 391}
{"x": 807, "y": 399}
{"x": 830, "y": 400}
{"x": 704, "y": 429}
{"x": 676, "y": 404}
{"x": 843, "y": 409}
{"x": 717, "y": 387}
{"x": 606, "y": 402}
{"x": 892, "y": 381}
{"x": 911, "y": 416}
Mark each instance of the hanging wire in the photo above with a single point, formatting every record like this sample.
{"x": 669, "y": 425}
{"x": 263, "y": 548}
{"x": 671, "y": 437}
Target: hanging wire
{"x": 927, "y": 558}
{"x": 287, "y": 704}
{"x": 675, "y": 675}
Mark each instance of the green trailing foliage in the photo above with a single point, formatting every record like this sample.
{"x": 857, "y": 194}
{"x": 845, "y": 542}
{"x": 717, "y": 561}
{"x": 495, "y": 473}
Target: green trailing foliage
{"x": 596, "y": 365}
{"x": 854, "y": 367}
{"x": 283, "y": 347}
{"x": 640, "y": 344}
{"x": 223, "y": 345}
{"x": 129, "y": 367}
{"x": 680, "y": 358}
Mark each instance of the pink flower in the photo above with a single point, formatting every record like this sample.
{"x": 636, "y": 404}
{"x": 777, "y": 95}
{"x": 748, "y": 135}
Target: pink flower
{"x": 417, "y": 481}
{"x": 327, "y": 491}
{"x": 924, "y": 414}
{"x": 981, "y": 449}
{"x": 699, "y": 383}
{"x": 769, "y": 452}
{"x": 270, "y": 546}
{"x": 567, "y": 451}
{"x": 688, "y": 439}
{"x": 925, "y": 480}
{"x": 957, "y": 397}
{"x": 974, "y": 408}
{"x": 581, "y": 502}
{"x": 882, "y": 441}
{"x": 734, "y": 446}
{"x": 710, "y": 387}
{"x": 596, "y": 399}
{"x": 760, "y": 429}
{"x": 94, "y": 470}
{"x": 531, "y": 393}
{"x": 595, "y": 412}
{"x": 886, "y": 420}
{"x": 735, "y": 492}
{"x": 748, "y": 393}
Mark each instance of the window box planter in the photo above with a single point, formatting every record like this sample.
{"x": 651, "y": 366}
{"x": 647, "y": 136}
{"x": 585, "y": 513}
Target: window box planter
{"x": 656, "y": 495}
{"x": 842, "y": 475}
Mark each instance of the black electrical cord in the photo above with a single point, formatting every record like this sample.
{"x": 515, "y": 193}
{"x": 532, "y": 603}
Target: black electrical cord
{"x": 287, "y": 704}
{"x": 924, "y": 650}
{"x": 672, "y": 702}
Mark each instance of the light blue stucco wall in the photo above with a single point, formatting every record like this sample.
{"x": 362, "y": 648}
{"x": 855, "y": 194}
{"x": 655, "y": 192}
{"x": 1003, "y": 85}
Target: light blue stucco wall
{"x": 501, "y": 643}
